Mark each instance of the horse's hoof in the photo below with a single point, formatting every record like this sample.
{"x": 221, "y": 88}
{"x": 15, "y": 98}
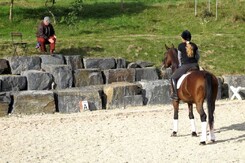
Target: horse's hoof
{"x": 212, "y": 141}
{"x": 202, "y": 143}
{"x": 174, "y": 134}
{"x": 194, "y": 134}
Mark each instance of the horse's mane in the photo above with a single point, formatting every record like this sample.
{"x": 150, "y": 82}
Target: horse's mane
{"x": 174, "y": 52}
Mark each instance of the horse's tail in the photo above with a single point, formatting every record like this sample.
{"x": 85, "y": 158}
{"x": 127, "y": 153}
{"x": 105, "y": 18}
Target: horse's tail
{"x": 210, "y": 97}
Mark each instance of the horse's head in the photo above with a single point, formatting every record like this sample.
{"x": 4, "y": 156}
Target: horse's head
{"x": 170, "y": 57}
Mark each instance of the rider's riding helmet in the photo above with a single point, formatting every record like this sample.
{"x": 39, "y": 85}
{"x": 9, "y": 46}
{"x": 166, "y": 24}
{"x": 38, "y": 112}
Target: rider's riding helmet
{"x": 186, "y": 35}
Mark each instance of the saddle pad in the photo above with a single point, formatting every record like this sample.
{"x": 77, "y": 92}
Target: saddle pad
{"x": 181, "y": 79}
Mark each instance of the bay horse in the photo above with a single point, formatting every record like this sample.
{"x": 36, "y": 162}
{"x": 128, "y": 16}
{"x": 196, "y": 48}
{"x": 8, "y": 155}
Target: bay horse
{"x": 195, "y": 88}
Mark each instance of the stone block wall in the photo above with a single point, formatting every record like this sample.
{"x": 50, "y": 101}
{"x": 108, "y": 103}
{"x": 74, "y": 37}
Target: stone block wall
{"x": 58, "y": 83}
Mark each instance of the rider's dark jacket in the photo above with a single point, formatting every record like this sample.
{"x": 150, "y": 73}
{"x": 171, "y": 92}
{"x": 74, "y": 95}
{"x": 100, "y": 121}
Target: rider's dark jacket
{"x": 184, "y": 58}
{"x": 186, "y": 63}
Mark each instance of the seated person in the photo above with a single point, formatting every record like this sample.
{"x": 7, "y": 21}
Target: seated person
{"x": 46, "y": 35}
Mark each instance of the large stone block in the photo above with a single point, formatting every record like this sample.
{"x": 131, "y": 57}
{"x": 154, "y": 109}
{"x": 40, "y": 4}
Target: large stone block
{"x": 235, "y": 81}
{"x": 121, "y": 63}
{"x": 38, "y": 80}
{"x": 149, "y": 73}
{"x": 144, "y": 64}
{"x": 133, "y": 65}
{"x": 75, "y": 61}
{"x": 70, "y": 100}
{"x": 116, "y": 94}
{"x": 62, "y": 74}
{"x": 224, "y": 88}
{"x": 56, "y": 59}
{"x": 33, "y": 102}
{"x": 220, "y": 89}
{"x": 156, "y": 92}
{"x": 4, "y": 67}
{"x": 134, "y": 100}
{"x": 101, "y": 63}
{"x": 23, "y": 63}
{"x": 119, "y": 75}
{"x": 13, "y": 83}
{"x": 166, "y": 73}
{"x": 86, "y": 77}
{"x": 5, "y": 101}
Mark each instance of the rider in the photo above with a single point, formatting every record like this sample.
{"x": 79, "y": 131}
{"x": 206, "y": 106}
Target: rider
{"x": 188, "y": 56}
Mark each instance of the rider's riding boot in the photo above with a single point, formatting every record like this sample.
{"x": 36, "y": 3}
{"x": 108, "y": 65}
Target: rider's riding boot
{"x": 174, "y": 95}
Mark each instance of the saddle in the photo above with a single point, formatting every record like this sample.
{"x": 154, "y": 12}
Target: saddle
{"x": 185, "y": 75}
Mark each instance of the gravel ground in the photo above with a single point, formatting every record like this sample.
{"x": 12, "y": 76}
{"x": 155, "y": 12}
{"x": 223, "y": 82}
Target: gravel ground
{"x": 137, "y": 134}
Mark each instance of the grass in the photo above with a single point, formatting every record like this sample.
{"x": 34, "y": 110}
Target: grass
{"x": 139, "y": 31}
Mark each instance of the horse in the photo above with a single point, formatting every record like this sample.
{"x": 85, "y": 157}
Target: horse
{"x": 195, "y": 88}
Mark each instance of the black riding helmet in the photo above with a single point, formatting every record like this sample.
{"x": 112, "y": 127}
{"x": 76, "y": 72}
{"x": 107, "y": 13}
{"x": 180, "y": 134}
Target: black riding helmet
{"x": 186, "y": 35}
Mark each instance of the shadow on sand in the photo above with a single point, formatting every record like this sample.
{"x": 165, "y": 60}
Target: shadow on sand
{"x": 237, "y": 127}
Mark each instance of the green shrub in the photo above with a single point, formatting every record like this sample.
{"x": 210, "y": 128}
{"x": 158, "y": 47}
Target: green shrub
{"x": 74, "y": 13}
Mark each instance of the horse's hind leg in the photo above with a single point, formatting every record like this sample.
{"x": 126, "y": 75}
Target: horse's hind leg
{"x": 211, "y": 135}
{"x": 192, "y": 120}
{"x": 204, "y": 123}
{"x": 176, "y": 116}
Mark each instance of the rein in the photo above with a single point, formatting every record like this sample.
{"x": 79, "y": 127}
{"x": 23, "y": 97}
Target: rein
{"x": 174, "y": 59}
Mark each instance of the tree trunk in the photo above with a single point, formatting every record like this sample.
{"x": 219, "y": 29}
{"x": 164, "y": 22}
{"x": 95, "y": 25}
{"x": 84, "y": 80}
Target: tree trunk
{"x": 209, "y": 6}
{"x": 11, "y": 10}
{"x": 122, "y": 7}
{"x": 52, "y": 16}
{"x": 195, "y": 7}
{"x": 216, "y": 9}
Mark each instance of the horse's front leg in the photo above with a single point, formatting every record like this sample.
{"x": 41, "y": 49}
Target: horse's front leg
{"x": 176, "y": 116}
{"x": 191, "y": 117}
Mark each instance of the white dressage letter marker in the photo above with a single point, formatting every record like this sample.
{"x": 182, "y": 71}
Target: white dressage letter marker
{"x": 83, "y": 105}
